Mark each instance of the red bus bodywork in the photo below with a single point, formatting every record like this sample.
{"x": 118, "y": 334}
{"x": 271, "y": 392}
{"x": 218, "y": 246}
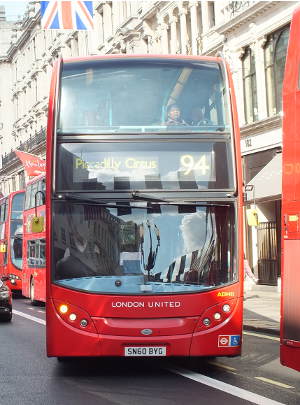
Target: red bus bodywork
{"x": 8, "y": 266}
{"x": 116, "y": 321}
{"x": 34, "y": 266}
{"x": 290, "y": 303}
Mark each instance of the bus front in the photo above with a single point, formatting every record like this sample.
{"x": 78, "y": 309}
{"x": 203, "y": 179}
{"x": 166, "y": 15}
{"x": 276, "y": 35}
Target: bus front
{"x": 144, "y": 209}
{"x": 14, "y": 242}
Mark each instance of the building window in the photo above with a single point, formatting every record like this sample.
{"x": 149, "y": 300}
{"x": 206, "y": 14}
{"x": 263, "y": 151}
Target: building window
{"x": 211, "y": 14}
{"x": 275, "y": 54}
{"x": 13, "y": 181}
{"x": 21, "y": 180}
{"x": 249, "y": 85}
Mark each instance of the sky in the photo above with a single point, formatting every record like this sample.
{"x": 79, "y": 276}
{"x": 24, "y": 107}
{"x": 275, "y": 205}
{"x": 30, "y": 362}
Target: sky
{"x": 13, "y": 9}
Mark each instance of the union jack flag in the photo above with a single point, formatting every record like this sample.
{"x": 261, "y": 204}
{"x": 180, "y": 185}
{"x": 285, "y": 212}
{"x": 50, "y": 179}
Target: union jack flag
{"x": 74, "y": 15}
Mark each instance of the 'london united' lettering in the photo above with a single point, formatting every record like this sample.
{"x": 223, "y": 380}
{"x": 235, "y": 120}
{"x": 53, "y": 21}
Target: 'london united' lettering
{"x": 151, "y": 304}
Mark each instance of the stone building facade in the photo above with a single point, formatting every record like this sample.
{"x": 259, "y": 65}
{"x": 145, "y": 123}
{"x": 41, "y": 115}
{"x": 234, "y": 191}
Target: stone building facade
{"x": 252, "y": 35}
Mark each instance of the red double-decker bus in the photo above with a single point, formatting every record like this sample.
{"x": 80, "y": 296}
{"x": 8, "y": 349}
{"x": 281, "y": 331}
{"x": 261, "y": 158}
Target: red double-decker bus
{"x": 11, "y": 236}
{"x": 144, "y": 208}
{"x": 34, "y": 242}
{"x": 290, "y": 303}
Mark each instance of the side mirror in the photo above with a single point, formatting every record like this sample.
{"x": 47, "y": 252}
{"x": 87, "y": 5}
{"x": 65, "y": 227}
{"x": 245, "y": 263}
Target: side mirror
{"x": 37, "y": 224}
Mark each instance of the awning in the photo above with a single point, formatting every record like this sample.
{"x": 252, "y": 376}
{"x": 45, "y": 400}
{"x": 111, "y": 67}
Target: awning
{"x": 267, "y": 183}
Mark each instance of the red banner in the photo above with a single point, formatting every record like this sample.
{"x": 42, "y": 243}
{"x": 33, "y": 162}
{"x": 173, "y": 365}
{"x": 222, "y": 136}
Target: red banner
{"x": 33, "y": 165}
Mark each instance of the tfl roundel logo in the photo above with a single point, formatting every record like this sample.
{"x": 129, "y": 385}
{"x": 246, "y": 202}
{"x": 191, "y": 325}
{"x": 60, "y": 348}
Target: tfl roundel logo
{"x": 229, "y": 340}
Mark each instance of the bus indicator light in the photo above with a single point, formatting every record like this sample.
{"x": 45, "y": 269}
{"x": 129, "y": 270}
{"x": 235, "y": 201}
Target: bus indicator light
{"x": 74, "y": 316}
{"x": 206, "y": 321}
{"x": 63, "y": 309}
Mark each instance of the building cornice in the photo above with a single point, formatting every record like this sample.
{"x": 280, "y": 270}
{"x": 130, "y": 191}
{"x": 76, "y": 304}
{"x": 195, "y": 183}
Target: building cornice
{"x": 246, "y": 16}
{"x": 27, "y": 28}
{"x": 262, "y": 126}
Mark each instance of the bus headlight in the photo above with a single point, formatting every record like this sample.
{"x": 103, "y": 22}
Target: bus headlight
{"x": 226, "y": 308}
{"x": 4, "y": 294}
{"x": 217, "y": 316}
{"x": 13, "y": 277}
{"x": 74, "y": 316}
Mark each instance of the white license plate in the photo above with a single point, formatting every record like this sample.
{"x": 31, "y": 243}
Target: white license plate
{"x": 148, "y": 351}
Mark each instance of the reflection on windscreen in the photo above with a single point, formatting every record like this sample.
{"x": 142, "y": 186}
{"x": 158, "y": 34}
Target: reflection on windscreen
{"x": 123, "y": 95}
{"x": 128, "y": 250}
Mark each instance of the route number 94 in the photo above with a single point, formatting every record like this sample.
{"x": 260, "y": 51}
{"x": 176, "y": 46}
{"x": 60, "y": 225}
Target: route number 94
{"x": 190, "y": 163}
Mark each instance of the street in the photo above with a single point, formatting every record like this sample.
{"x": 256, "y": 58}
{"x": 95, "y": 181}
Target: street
{"x": 27, "y": 376}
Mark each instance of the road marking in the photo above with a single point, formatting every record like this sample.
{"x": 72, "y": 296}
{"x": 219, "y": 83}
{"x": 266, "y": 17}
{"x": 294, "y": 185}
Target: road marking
{"x": 274, "y": 382}
{"x": 230, "y": 389}
{"x": 262, "y": 336}
{"x": 42, "y": 312}
{"x": 214, "y": 363}
{"x": 32, "y": 318}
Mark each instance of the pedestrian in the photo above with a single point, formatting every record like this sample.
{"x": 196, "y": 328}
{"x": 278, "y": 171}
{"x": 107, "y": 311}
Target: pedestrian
{"x": 248, "y": 271}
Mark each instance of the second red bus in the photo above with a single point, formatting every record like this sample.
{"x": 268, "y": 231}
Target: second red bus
{"x": 11, "y": 239}
{"x": 34, "y": 242}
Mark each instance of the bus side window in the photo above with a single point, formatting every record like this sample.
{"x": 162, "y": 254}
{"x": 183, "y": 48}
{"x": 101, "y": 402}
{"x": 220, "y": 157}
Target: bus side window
{"x": 43, "y": 185}
{"x": 33, "y": 191}
{"x": 40, "y": 196}
{"x": 27, "y": 197}
{"x": 31, "y": 253}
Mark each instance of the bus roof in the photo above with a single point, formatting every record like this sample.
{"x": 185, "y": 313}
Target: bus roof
{"x": 36, "y": 178}
{"x": 144, "y": 57}
{"x": 11, "y": 194}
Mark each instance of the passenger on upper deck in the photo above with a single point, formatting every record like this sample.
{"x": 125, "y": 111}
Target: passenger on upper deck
{"x": 174, "y": 116}
{"x": 197, "y": 117}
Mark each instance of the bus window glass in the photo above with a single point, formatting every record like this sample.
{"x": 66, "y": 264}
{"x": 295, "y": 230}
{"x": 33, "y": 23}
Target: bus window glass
{"x": 41, "y": 193}
{"x": 34, "y": 189}
{"x": 36, "y": 253}
{"x": 16, "y": 251}
{"x": 130, "y": 96}
{"x": 16, "y": 229}
{"x": 31, "y": 253}
{"x": 157, "y": 165}
{"x": 28, "y": 197}
{"x": 3, "y": 208}
{"x": 3, "y": 211}
{"x": 133, "y": 245}
{"x": 42, "y": 253}
{"x": 17, "y": 206}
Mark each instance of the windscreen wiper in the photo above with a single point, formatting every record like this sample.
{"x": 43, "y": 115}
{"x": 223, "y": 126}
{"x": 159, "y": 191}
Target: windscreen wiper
{"x": 137, "y": 197}
{"x": 146, "y": 197}
{"x": 91, "y": 201}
